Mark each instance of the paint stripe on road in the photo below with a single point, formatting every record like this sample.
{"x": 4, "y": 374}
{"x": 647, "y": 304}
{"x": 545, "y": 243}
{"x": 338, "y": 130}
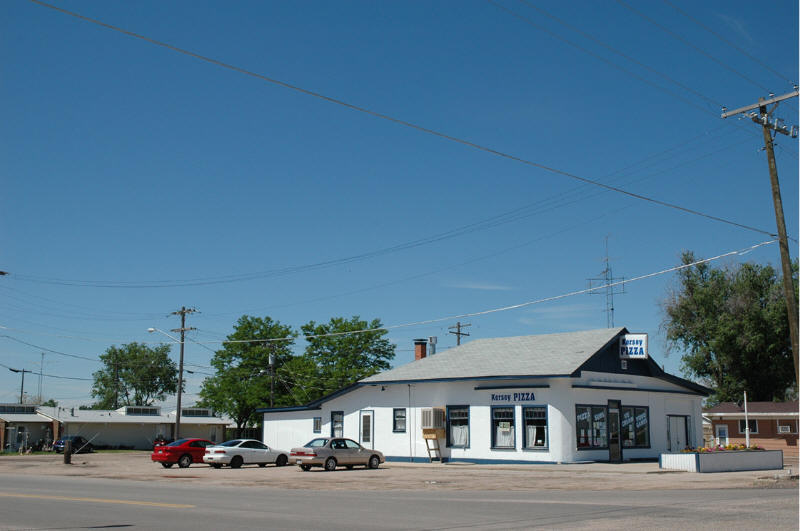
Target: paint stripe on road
{"x": 97, "y": 500}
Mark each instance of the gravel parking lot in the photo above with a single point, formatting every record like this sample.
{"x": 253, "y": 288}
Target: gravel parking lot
{"x": 400, "y": 476}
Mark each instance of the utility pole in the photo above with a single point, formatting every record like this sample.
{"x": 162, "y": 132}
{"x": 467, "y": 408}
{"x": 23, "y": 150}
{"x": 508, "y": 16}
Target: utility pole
{"x": 607, "y": 280}
{"x": 763, "y": 118}
{"x": 182, "y": 312}
{"x": 458, "y": 333}
{"x": 271, "y": 375}
{"x": 22, "y": 386}
{"x": 41, "y": 371}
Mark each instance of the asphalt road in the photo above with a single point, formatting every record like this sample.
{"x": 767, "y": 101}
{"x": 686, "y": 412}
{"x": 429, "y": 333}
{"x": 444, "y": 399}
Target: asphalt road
{"x": 41, "y": 502}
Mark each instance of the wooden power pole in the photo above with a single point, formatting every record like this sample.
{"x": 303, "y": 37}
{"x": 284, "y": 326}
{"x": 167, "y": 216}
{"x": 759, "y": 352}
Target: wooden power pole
{"x": 458, "y": 333}
{"x": 763, "y": 117}
{"x": 182, "y": 312}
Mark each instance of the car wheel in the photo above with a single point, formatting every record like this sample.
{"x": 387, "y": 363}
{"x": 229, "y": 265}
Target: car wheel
{"x": 330, "y": 464}
{"x": 236, "y": 462}
{"x": 167, "y": 465}
{"x": 184, "y": 461}
{"x": 374, "y": 462}
{"x": 281, "y": 460}
{"x": 305, "y": 468}
{"x": 216, "y": 465}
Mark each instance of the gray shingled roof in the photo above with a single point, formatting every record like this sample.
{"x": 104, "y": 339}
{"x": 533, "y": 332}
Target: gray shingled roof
{"x": 541, "y": 355}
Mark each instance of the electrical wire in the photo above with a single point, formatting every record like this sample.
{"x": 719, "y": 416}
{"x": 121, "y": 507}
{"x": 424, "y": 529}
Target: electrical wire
{"x": 692, "y": 46}
{"x": 729, "y": 43}
{"x": 383, "y": 117}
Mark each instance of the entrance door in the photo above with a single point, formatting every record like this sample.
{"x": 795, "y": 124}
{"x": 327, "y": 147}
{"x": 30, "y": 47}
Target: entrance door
{"x": 676, "y": 433}
{"x": 722, "y": 434}
{"x": 614, "y": 447}
{"x": 367, "y": 430}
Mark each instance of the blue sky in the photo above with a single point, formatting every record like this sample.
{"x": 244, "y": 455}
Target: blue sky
{"x": 125, "y": 163}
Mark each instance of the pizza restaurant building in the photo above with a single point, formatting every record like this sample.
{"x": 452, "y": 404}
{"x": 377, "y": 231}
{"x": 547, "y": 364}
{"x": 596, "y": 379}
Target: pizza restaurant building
{"x": 558, "y": 398}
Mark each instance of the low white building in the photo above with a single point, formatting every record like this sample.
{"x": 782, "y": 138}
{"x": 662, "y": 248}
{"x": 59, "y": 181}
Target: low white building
{"x": 558, "y": 398}
{"x": 135, "y": 427}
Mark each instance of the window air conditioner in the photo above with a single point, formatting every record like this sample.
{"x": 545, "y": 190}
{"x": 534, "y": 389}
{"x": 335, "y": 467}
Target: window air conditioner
{"x": 784, "y": 429}
{"x": 433, "y": 418}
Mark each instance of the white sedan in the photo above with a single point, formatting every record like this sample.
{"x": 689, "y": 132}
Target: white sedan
{"x": 238, "y": 452}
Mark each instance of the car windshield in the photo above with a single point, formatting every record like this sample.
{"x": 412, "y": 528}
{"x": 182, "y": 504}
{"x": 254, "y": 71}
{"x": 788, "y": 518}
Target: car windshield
{"x": 178, "y": 442}
{"x": 235, "y": 442}
{"x": 316, "y": 443}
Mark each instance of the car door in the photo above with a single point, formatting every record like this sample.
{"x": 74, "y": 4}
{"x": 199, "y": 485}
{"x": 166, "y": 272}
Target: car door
{"x": 357, "y": 454}
{"x": 340, "y": 452}
{"x": 197, "y": 449}
{"x": 262, "y": 453}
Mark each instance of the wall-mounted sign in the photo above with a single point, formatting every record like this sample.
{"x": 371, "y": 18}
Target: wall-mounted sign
{"x": 633, "y": 347}
{"x": 521, "y": 396}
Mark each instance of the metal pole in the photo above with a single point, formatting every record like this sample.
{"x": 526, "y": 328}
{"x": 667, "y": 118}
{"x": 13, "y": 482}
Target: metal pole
{"x": 180, "y": 376}
{"x": 746, "y": 423}
{"x": 786, "y": 263}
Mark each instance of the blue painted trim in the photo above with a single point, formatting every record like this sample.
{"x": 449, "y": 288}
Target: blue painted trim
{"x": 520, "y": 386}
{"x": 649, "y": 390}
{"x": 500, "y": 461}
{"x": 513, "y": 427}
{"x": 404, "y": 459}
{"x": 284, "y": 409}
{"x": 546, "y": 428}
{"x": 447, "y": 426}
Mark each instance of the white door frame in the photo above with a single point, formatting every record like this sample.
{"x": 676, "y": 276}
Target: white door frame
{"x": 371, "y": 414}
{"x": 717, "y": 435}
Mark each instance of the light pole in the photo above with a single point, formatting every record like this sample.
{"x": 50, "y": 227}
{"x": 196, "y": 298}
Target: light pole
{"x": 180, "y": 380}
{"x": 21, "y": 387}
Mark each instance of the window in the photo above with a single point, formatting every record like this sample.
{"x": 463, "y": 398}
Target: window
{"x": 787, "y": 426}
{"x": 399, "y": 424}
{"x": 534, "y": 434}
{"x": 503, "y": 427}
{"x": 317, "y": 424}
{"x": 635, "y": 427}
{"x": 590, "y": 426}
{"x": 458, "y": 426}
{"x": 337, "y": 423}
{"x": 753, "y": 423}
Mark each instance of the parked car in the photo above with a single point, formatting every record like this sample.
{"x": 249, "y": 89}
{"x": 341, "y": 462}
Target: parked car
{"x": 238, "y": 452}
{"x": 183, "y": 451}
{"x": 79, "y": 444}
{"x": 330, "y": 452}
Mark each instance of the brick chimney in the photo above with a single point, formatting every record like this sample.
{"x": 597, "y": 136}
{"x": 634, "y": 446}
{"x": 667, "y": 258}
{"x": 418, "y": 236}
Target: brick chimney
{"x": 420, "y": 348}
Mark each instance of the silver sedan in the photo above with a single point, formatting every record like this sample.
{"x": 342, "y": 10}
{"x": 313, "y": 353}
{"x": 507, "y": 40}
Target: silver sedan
{"x": 330, "y": 452}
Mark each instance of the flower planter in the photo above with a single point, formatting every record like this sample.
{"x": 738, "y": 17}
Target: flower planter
{"x": 722, "y": 461}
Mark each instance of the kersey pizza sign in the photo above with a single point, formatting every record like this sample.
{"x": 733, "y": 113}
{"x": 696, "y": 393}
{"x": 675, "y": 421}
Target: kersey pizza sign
{"x": 633, "y": 347}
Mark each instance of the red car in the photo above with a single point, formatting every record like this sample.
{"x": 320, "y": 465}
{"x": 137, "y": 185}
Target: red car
{"x": 183, "y": 451}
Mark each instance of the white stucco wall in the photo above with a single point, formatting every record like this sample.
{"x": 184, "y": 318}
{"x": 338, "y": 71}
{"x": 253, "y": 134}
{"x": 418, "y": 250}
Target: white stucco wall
{"x": 289, "y": 429}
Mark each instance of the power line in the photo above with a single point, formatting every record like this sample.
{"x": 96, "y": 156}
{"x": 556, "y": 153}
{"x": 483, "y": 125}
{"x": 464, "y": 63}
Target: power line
{"x": 390, "y": 119}
{"x": 729, "y": 43}
{"x": 689, "y": 44}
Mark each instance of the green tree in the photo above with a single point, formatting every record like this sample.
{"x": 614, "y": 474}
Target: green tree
{"x": 50, "y": 403}
{"x": 242, "y": 380}
{"x": 732, "y": 327}
{"x": 343, "y": 353}
{"x": 134, "y": 375}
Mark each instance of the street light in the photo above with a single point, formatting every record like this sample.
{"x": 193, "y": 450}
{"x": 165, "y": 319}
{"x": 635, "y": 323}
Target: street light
{"x": 180, "y": 381}
{"x": 22, "y": 387}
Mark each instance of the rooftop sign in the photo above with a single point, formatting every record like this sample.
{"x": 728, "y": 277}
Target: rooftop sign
{"x": 633, "y": 347}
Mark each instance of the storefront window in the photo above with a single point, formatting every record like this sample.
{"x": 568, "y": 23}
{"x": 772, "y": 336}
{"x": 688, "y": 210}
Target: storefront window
{"x": 337, "y": 423}
{"x": 590, "y": 426}
{"x": 503, "y": 427}
{"x": 399, "y": 424}
{"x": 535, "y": 427}
{"x": 628, "y": 429}
{"x": 642, "y": 426}
{"x": 458, "y": 426}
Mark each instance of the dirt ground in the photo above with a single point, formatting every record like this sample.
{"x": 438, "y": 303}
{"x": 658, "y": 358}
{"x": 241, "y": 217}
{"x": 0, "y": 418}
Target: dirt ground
{"x": 401, "y": 476}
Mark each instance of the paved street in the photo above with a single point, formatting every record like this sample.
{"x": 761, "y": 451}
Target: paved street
{"x": 127, "y": 490}
{"x": 39, "y": 502}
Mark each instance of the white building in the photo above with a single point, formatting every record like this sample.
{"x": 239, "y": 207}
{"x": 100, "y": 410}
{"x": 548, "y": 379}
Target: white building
{"x": 134, "y": 427}
{"x": 557, "y": 398}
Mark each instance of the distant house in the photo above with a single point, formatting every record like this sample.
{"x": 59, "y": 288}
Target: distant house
{"x": 773, "y": 425}
{"x": 135, "y": 426}
{"x": 22, "y": 427}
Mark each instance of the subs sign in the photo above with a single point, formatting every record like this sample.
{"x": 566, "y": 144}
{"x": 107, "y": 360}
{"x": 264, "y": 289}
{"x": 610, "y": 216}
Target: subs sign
{"x": 633, "y": 347}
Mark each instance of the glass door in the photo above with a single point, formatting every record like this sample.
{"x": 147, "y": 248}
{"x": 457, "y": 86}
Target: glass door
{"x": 367, "y": 430}
{"x": 614, "y": 446}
